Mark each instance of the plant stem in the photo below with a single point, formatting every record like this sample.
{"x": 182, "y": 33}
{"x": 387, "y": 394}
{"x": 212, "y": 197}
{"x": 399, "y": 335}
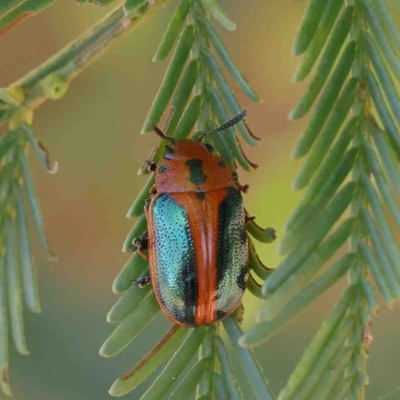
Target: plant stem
{"x": 51, "y": 79}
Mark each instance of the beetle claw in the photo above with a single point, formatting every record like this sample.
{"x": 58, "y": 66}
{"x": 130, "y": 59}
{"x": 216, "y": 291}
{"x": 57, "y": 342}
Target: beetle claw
{"x": 150, "y": 166}
{"x": 239, "y": 313}
{"x": 142, "y": 282}
{"x": 243, "y": 188}
{"x": 153, "y": 190}
{"x": 249, "y": 217}
{"x": 139, "y": 244}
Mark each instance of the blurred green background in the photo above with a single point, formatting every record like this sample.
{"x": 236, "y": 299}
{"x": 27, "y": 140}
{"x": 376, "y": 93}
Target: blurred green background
{"x": 93, "y": 132}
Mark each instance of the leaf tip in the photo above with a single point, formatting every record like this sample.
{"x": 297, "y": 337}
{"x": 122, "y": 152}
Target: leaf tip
{"x": 103, "y": 350}
{"x": 296, "y": 153}
{"x": 294, "y": 114}
{"x": 243, "y": 341}
{"x": 298, "y": 75}
{"x": 298, "y": 183}
{"x": 231, "y": 26}
{"x": 298, "y": 48}
{"x": 53, "y": 169}
{"x": 115, "y": 390}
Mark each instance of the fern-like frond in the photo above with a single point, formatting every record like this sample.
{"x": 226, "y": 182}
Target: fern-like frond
{"x": 18, "y": 198}
{"x": 351, "y": 187}
{"x": 197, "y": 92}
{"x": 18, "y": 276}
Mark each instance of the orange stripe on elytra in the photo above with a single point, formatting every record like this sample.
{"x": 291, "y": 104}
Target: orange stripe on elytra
{"x": 203, "y": 218}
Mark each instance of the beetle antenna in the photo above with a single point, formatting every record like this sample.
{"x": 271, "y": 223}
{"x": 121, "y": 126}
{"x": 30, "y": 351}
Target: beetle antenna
{"x": 162, "y": 135}
{"x": 230, "y": 123}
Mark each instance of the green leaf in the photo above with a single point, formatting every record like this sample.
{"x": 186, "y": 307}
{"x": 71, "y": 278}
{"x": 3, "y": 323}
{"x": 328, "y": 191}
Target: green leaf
{"x": 378, "y": 273}
{"x": 260, "y": 333}
{"x": 131, "y": 5}
{"x": 330, "y": 162}
{"x": 250, "y": 367}
{"x": 4, "y": 383}
{"x": 188, "y": 121}
{"x": 309, "y": 294}
{"x": 136, "y": 231}
{"x": 187, "y": 385}
{"x": 387, "y": 157}
{"x": 306, "y": 220}
{"x": 228, "y": 96}
{"x": 15, "y": 291}
{"x": 324, "y": 28}
{"x": 207, "y": 350}
{"x": 226, "y": 371}
{"x": 21, "y": 11}
{"x": 173, "y": 29}
{"x": 216, "y": 11}
{"x": 328, "y": 99}
{"x": 384, "y": 114}
{"x": 381, "y": 182}
{"x": 136, "y": 209}
{"x": 334, "y": 210}
{"x": 320, "y": 345}
{"x": 127, "y": 303}
{"x": 228, "y": 62}
{"x": 7, "y": 142}
{"x": 380, "y": 37}
{"x": 327, "y": 359}
{"x": 7, "y": 5}
{"x": 342, "y": 388}
{"x": 220, "y": 112}
{"x": 170, "y": 79}
{"x": 34, "y": 205}
{"x": 369, "y": 294}
{"x": 383, "y": 75}
{"x": 132, "y": 325}
{"x": 333, "y": 47}
{"x": 333, "y": 375}
{"x": 5, "y": 96}
{"x": 148, "y": 364}
{"x": 219, "y": 143}
{"x": 255, "y": 263}
{"x": 385, "y": 268}
{"x": 40, "y": 150}
{"x": 389, "y": 26}
{"x": 299, "y": 280}
{"x": 129, "y": 273}
{"x": 176, "y": 365}
{"x": 328, "y": 134}
{"x": 219, "y": 387}
{"x": 266, "y": 235}
{"x": 309, "y": 25}
{"x": 183, "y": 93}
{"x": 29, "y": 279}
{"x": 254, "y": 287}
{"x": 382, "y": 224}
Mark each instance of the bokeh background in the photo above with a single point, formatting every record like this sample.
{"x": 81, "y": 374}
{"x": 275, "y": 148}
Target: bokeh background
{"x": 93, "y": 132}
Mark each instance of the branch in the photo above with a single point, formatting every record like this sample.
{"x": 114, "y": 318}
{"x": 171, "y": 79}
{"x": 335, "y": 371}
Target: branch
{"x": 51, "y": 79}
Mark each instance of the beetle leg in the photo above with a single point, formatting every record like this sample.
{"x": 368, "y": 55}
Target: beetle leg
{"x": 248, "y": 218}
{"x": 139, "y": 244}
{"x": 153, "y": 190}
{"x": 150, "y": 166}
{"x": 239, "y": 313}
{"x": 143, "y": 282}
{"x": 242, "y": 188}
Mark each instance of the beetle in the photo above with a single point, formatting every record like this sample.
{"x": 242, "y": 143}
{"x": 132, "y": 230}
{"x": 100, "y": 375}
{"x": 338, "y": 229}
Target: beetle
{"x": 196, "y": 238}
